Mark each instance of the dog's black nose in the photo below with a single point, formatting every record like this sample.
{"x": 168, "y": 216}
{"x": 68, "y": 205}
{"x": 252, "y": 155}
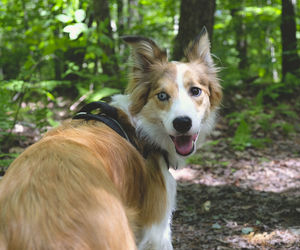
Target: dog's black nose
{"x": 182, "y": 124}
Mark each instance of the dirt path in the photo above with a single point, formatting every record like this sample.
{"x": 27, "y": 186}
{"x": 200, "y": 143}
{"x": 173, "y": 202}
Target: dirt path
{"x": 240, "y": 200}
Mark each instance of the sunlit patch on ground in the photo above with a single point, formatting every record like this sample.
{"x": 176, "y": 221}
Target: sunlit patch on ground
{"x": 289, "y": 236}
{"x": 282, "y": 175}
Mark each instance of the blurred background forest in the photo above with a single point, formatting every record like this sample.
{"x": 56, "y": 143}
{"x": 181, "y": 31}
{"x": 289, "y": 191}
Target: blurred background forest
{"x": 56, "y": 55}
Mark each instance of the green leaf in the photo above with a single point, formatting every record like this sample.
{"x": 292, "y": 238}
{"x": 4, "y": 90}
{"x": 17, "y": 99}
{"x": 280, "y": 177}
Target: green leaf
{"x": 242, "y": 136}
{"x": 75, "y": 30}
{"x": 247, "y": 230}
{"x": 64, "y": 18}
{"x": 216, "y": 226}
{"x": 79, "y": 15}
{"x": 104, "y": 92}
{"x": 195, "y": 159}
{"x": 50, "y": 96}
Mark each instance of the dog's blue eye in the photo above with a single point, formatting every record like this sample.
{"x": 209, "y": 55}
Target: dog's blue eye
{"x": 163, "y": 96}
{"x": 195, "y": 91}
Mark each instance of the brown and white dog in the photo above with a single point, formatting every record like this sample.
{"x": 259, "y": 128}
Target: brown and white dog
{"x": 82, "y": 186}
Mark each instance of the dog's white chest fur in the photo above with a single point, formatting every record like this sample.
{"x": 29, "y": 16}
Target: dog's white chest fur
{"x": 158, "y": 236}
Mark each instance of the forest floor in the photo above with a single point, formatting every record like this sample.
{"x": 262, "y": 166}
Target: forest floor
{"x": 240, "y": 199}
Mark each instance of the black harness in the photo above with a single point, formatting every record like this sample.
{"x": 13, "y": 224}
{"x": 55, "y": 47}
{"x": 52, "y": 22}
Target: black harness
{"x": 109, "y": 116}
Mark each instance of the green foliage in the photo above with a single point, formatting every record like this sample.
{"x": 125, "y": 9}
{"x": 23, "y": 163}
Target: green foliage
{"x": 195, "y": 159}
{"x": 243, "y": 138}
{"x": 6, "y": 123}
{"x": 50, "y": 50}
{"x": 198, "y": 159}
{"x": 255, "y": 118}
{"x": 286, "y": 110}
{"x": 156, "y": 20}
{"x": 6, "y": 111}
{"x": 27, "y": 102}
{"x": 7, "y": 159}
{"x": 262, "y": 35}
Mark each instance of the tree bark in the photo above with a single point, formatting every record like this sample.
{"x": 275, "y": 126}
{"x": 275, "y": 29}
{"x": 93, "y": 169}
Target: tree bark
{"x": 120, "y": 5}
{"x": 194, "y": 14}
{"x": 240, "y": 38}
{"x": 102, "y": 17}
{"x": 290, "y": 58}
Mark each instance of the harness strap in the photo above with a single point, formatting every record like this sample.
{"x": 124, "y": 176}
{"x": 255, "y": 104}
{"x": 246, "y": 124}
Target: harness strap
{"x": 109, "y": 116}
{"x": 103, "y": 106}
{"x": 110, "y": 122}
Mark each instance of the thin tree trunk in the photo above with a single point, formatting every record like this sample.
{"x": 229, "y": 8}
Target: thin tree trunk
{"x": 290, "y": 58}
{"x": 133, "y": 13}
{"x": 240, "y": 38}
{"x": 57, "y": 60}
{"x": 194, "y": 14}
{"x": 102, "y": 17}
{"x": 120, "y": 17}
{"x": 271, "y": 48}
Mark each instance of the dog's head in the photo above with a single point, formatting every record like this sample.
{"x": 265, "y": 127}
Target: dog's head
{"x": 172, "y": 103}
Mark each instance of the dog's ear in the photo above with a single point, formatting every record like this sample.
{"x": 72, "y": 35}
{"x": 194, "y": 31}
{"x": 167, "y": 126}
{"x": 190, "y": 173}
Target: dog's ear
{"x": 199, "y": 49}
{"x": 146, "y": 56}
{"x": 145, "y": 52}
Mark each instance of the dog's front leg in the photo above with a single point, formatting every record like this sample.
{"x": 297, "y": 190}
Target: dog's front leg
{"x": 158, "y": 236}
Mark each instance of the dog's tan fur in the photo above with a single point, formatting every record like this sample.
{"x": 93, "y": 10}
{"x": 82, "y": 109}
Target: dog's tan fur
{"x": 76, "y": 189}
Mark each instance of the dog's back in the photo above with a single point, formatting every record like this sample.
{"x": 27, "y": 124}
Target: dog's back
{"x": 71, "y": 190}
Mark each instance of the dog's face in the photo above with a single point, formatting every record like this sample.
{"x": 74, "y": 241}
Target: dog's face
{"x": 172, "y": 102}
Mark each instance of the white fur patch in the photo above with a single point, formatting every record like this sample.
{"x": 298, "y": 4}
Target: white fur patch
{"x": 158, "y": 236}
{"x": 183, "y": 105}
{"x": 122, "y": 102}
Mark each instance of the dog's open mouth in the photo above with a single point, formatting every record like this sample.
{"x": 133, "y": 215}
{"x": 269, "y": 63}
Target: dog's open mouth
{"x": 184, "y": 144}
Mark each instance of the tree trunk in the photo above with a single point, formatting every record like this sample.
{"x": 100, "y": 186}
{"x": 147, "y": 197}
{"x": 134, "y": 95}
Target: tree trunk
{"x": 194, "y": 14}
{"x": 104, "y": 29}
{"x": 240, "y": 38}
{"x": 133, "y": 13}
{"x": 120, "y": 17}
{"x": 290, "y": 58}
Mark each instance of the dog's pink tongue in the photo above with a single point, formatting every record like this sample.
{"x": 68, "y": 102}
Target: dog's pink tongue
{"x": 183, "y": 144}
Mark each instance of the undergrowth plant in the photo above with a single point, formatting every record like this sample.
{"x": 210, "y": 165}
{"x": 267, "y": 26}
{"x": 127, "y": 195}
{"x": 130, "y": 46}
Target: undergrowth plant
{"x": 256, "y": 118}
{"x": 5, "y": 125}
{"x": 30, "y": 103}
{"x": 25, "y": 103}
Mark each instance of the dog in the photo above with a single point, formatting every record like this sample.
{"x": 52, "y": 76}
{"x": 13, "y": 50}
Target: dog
{"x": 83, "y": 186}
